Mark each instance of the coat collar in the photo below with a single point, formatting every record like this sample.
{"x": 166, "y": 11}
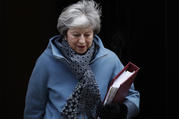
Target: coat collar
{"x": 57, "y": 54}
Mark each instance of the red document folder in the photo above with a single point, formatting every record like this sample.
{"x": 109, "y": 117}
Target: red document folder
{"x": 124, "y": 87}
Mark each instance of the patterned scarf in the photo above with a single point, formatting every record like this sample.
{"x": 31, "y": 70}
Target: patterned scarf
{"x": 86, "y": 96}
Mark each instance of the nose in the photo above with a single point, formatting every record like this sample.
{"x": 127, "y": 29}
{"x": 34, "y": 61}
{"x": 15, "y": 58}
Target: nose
{"x": 82, "y": 39}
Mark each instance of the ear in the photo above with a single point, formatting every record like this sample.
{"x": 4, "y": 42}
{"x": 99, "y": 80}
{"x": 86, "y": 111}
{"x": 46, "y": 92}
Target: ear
{"x": 65, "y": 37}
{"x": 65, "y": 34}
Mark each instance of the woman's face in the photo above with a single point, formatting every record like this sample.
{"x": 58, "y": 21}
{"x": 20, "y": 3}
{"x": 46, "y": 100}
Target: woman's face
{"x": 80, "y": 39}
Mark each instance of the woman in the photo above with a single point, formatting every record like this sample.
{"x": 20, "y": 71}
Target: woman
{"x": 71, "y": 77}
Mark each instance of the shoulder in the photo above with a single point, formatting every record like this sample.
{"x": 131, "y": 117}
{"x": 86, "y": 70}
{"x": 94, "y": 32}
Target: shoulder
{"x": 113, "y": 58}
{"x": 44, "y": 57}
{"x": 112, "y": 55}
{"x": 103, "y": 50}
{"x": 110, "y": 52}
{"x": 48, "y": 62}
{"x": 44, "y": 60}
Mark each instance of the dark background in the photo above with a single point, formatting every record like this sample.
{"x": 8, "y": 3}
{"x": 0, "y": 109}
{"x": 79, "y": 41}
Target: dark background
{"x": 136, "y": 30}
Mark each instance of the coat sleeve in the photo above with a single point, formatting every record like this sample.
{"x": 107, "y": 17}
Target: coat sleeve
{"x": 133, "y": 98}
{"x": 37, "y": 93}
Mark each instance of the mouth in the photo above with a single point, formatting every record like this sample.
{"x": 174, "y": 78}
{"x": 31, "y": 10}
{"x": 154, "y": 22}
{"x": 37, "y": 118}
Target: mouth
{"x": 81, "y": 47}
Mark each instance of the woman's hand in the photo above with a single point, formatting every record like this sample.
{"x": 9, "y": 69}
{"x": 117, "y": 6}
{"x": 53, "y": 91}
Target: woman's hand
{"x": 112, "y": 111}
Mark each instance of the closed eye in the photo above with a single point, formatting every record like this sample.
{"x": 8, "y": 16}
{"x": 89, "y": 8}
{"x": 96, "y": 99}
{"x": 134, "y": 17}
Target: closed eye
{"x": 87, "y": 35}
{"x": 76, "y": 35}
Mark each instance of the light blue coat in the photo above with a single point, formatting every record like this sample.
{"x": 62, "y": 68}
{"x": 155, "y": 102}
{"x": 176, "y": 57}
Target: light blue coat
{"x": 52, "y": 82}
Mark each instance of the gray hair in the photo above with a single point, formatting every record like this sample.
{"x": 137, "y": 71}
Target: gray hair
{"x": 88, "y": 9}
